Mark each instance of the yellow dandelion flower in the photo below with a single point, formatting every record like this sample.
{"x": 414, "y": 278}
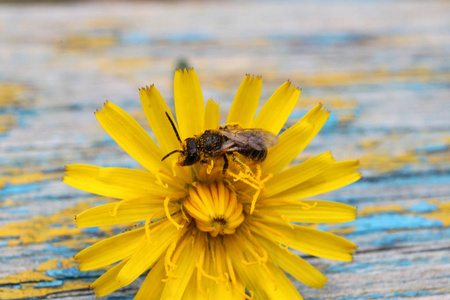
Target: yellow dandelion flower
{"x": 211, "y": 232}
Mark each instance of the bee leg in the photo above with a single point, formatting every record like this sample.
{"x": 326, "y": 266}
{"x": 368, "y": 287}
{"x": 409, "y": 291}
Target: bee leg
{"x": 225, "y": 164}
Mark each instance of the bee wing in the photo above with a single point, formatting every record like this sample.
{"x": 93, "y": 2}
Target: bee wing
{"x": 229, "y": 146}
{"x": 257, "y": 139}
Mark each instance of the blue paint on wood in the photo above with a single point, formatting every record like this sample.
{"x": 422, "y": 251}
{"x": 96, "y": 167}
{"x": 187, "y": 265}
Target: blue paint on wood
{"x": 60, "y": 250}
{"x": 55, "y": 226}
{"x": 433, "y": 148}
{"x": 330, "y": 38}
{"x": 188, "y": 37}
{"x": 392, "y": 239}
{"x": 349, "y": 268}
{"x": 423, "y": 207}
{"x": 11, "y": 189}
{"x": 135, "y": 38}
{"x": 46, "y": 284}
{"x": 72, "y": 273}
{"x": 91, "y": 229}
{"x": 392, "y": 221}
{"x": 385, "y": 221}
{"x": 19, "y": 211}
{"x": 141, "y": 38}
{"x": 401, "y": 180}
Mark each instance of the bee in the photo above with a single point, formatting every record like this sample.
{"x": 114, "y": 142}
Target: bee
{"x": 226, "y": 141}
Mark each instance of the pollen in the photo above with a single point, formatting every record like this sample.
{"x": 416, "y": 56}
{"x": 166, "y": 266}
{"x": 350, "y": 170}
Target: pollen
{"x": 214, "y": 207}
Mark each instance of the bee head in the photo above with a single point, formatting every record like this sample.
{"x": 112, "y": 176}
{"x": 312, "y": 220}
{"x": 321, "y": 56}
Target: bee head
{"x": 189, "y": 154}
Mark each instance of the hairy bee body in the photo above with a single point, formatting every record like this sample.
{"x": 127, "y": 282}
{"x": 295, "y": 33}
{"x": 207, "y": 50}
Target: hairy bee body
{"x": 209, "y": 144}
{"x": 227, "y": 140}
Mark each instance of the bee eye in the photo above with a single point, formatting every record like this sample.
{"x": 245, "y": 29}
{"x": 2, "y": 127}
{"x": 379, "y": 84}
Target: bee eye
{"x": 190, "y": 160}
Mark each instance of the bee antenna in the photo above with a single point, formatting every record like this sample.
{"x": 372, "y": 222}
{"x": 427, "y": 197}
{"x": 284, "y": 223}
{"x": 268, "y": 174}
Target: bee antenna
{"x": 169, "y": 154}
{"x": 174, "y": 129}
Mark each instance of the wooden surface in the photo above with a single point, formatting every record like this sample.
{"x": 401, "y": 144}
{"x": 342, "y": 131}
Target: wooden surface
{"x": 381, "y": 67}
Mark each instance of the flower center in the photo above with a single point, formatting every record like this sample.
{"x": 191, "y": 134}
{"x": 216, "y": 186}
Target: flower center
{"x": 214, "y": 207}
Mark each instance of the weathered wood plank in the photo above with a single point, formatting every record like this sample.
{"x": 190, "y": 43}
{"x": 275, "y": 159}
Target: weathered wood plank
{"x": 382, "y": 69}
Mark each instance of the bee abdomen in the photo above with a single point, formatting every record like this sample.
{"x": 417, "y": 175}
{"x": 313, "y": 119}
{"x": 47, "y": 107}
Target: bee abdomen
{"x": 256, "y": 155}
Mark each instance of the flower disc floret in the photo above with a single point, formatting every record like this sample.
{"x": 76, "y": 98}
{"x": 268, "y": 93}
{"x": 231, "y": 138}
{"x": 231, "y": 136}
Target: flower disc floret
{"x": 214, "y": 207}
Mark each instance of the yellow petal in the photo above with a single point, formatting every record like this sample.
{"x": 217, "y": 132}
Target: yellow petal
{"x": 117, "y": 183}
{"x": 127, "y": 132}
{"x": 251, "y": 276}
{"x": 336, "y": 176}
{"x": 176, "y": 286}
{"x": 109, "y": 251}
{"x": 207, "y": 289}
{"x": 192, "y": 290}
{"x": 106, "y": 284}
{"x": 285, "y": 288}
{"x": 276, "y": 111}
{"x": 245, "y": 103}
{"x": 267, "y": 282}
{"x": 307, "y": 239}
{"x": 155, "y": 109}
{"x": 309, "y": 211}
{"x": 189, "y": 103}
{"x": 292, "y": 141}
{"x": 226, "y": 291}
{"x": 147, "y": 252}
{"x": 298, "y": 174}
{"x": 294, "y": 265}
{"x": 153, "y": 285}
{"x": 212, "y": 115}
{"x": 126, "y": 211}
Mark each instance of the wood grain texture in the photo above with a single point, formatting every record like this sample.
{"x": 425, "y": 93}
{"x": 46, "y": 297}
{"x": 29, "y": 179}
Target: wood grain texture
{"x": 380, "y": 67}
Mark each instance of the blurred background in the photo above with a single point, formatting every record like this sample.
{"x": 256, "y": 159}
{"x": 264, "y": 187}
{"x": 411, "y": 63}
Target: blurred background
{"x": 381, "y": 67}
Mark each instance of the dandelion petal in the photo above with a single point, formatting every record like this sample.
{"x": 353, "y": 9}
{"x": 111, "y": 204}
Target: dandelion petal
{"x": 245, "y": 103}
{"x": 276, "y": 110}
{"x": 127, "y": 132}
